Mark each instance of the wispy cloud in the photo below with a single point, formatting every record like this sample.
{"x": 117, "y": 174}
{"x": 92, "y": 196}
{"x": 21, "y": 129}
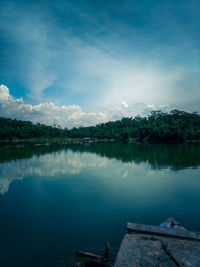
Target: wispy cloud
{"x": 67, "y": 55}
{"x": 32, "y": 55}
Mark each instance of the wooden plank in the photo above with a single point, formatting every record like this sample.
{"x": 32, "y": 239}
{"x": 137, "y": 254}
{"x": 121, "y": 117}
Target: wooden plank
{"x": 135, "y": 251}
{"x": 176, "y": 232}
{"x": 139, "y": 250}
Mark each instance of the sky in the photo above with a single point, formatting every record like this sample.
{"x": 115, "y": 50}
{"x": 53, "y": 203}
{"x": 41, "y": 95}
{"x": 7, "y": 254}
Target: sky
{"x": 83, "y": 62}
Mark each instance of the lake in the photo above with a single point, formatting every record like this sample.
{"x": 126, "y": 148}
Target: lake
{"x": 55, "y": 200}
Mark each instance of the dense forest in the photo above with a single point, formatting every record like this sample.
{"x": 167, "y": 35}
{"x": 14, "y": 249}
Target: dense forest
{"x": 17, "y": 129}
{"x": 174, "y": 127}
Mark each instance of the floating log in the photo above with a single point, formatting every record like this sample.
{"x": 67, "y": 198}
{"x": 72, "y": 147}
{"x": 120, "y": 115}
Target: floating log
{"x": 88, "y": 255}
{"x": 94, "y": 259}
{"x": 95, "y": 256}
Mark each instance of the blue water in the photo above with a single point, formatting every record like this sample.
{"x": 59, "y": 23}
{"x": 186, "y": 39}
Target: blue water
{"x": 56, "y": 201}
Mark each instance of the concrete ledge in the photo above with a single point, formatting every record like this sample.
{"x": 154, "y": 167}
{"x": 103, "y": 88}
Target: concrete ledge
{"x": 176, "y": 232}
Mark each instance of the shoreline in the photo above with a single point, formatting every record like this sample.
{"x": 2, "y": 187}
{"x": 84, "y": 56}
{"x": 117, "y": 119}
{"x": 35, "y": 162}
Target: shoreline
{"x": 66, "y": 141}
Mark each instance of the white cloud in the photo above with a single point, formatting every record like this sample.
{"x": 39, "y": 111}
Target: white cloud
{"x": 151, "y": 106}
{"x": 66, "y": 116}
{"x": 73, "y": 115}
{"x": 124, "y": 104}
{"x": 164, "y": 106}
{"x": 47, "y": 113}
{"x": 4, "y": 92}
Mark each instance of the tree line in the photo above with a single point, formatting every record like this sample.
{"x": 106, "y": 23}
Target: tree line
{"x": 159, "y": 127}
{"x": 16, "y": 129}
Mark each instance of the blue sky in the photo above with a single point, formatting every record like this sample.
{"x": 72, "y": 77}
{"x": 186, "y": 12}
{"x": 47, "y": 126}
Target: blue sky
{"x": 87, "y": 61}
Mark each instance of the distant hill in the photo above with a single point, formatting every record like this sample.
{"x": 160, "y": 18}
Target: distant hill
{"x": 174, "y": 127}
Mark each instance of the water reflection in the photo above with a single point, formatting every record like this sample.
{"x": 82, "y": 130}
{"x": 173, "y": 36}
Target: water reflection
{"x": 158, "y": 156}
{"x": 50, "y": 164}
{"x": 56, "y": 200}
{"x": 176, "y": 157}
{"x": 17, "y": 163}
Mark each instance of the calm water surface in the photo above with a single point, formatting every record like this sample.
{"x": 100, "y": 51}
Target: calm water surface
{"x": 56, "y": 200}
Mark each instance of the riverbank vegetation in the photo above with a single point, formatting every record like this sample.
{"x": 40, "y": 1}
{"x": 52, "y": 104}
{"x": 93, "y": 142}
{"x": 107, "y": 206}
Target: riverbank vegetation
{"x": 159, "y": 127}
{"x": 16, "y": 129}
{"x": 174, "y": 127}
